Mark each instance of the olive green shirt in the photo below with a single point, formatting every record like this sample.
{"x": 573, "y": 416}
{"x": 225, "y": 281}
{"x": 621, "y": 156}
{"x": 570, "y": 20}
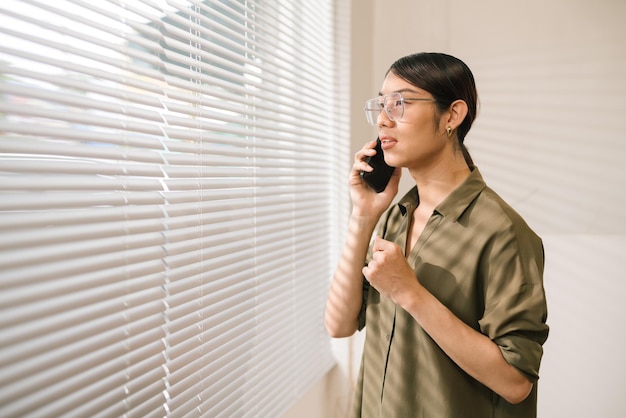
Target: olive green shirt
{"x": 481, "y": 260}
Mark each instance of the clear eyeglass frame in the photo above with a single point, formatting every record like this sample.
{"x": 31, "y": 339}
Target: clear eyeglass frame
{"x": 393, "y": 104}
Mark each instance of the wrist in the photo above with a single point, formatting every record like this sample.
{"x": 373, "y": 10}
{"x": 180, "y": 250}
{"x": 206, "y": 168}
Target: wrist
{"x": 410, "y": 297}
{"x": 362, "y": 220}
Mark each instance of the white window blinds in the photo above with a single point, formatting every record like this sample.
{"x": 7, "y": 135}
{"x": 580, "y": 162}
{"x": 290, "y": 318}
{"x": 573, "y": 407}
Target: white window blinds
{"x": 171, "y": 190}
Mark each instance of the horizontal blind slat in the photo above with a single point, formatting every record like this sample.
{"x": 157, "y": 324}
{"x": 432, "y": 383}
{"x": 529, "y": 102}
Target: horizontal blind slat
{"x": 164, "y": 179}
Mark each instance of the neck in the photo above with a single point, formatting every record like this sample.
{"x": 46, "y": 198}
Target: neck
{"x": 436, "y": 183}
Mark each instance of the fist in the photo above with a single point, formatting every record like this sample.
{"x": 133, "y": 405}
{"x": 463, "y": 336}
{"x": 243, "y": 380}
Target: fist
{"x": 388, "y": 271}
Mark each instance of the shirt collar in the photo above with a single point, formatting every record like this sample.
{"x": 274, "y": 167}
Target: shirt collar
{"x": 455, "y": 204}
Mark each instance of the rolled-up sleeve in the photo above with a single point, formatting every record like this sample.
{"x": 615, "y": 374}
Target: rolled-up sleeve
{"x": 515, "y": 304}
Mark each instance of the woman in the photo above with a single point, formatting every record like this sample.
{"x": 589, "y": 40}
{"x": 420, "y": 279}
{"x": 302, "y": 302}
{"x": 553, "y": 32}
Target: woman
{"x": 451, "y": 288}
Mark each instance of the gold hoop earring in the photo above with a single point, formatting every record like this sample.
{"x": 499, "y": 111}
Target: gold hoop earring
{"x": 449, "y": 129}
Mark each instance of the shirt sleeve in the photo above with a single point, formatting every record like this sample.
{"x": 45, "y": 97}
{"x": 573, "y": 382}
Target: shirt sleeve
{"x": 515, "y": 304}
{"x": 361, "y": 317}
{"x": 380, "y": 229}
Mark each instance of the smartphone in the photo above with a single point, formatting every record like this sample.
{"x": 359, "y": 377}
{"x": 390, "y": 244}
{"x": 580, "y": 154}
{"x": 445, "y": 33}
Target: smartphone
{"x": 378, "y": 178}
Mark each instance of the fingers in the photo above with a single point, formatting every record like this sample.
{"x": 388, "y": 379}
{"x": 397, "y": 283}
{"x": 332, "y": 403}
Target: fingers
{"x": 378, "y": 254}
{"x": 367, "y": 151}
{"x": 360, "y": 157}
{"x": 365, "y": 200}
{"x": 381, "y": 244}
{"x": 379, "y": 258}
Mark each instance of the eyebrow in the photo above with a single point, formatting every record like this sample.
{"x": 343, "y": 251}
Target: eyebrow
{"x": 404, "y": 90}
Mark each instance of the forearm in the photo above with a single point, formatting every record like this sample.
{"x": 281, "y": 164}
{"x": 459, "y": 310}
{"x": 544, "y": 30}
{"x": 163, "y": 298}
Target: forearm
{"x": 346, "y": 289}
{"x": 471, "y": 350}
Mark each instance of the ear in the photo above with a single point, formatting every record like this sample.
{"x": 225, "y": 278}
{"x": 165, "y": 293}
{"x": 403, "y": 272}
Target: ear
{"x": 456, "y": 114}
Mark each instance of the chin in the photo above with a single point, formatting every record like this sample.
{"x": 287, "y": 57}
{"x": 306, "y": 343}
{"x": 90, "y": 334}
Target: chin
{"x": 394, "y": 162}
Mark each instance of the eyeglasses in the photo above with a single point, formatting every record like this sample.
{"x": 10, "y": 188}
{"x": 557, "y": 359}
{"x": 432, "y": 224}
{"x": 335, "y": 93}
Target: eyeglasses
{"x": 392, "y": 103}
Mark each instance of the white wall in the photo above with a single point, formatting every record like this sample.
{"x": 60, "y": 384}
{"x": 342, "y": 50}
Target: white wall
{"x": 550, "y": 138}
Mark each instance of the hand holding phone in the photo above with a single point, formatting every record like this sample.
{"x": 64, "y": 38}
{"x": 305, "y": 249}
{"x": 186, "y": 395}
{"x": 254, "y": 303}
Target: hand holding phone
{"x": 378, "y": 178}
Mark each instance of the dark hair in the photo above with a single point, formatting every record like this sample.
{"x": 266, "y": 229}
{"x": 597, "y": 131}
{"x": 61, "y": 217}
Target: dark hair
{"x": 445, "y": 77}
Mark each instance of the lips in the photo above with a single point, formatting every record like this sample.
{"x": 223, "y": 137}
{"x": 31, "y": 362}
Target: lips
{"x": 387, "y": 142}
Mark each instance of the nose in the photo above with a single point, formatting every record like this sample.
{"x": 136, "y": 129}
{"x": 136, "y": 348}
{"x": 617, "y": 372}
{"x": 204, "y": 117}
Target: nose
{"x": 384, "y": 119}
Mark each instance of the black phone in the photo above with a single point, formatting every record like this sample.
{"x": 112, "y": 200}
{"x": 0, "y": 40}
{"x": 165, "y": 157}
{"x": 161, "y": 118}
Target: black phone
{"x": 378, "y": 178}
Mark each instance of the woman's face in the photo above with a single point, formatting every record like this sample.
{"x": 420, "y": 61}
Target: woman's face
{"x": 419, "y": 139}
